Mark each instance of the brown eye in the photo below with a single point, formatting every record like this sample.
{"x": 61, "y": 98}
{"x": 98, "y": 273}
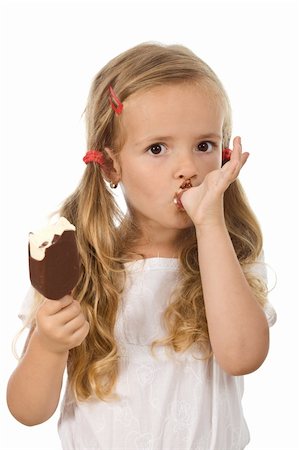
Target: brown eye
{"x": 204, "y": 146}
{"x": 156, "y": 149}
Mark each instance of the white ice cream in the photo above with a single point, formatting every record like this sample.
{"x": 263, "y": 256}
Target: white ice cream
{"x": 39, "y": 241}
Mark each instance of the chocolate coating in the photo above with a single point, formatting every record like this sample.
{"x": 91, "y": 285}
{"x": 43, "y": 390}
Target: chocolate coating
{"x": 58, "y": 273}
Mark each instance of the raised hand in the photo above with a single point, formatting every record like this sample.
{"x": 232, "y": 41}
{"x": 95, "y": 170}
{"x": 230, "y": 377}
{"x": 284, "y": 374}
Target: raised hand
{"x": 204, "y": 203}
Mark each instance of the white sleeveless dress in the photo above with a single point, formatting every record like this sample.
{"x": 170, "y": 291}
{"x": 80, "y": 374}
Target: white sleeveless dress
{"x": 173, "y": 402}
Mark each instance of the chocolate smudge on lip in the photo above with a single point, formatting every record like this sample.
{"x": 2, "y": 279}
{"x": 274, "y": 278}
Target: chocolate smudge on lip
{"x": 186, "y": 185}
{"x": 177, "y": 198}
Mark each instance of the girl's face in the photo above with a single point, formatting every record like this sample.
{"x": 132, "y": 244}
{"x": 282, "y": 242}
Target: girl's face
{"x": 172, "y": 133}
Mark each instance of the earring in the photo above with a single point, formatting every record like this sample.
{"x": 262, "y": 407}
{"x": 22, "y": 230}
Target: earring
{"x": 113, "y": 185}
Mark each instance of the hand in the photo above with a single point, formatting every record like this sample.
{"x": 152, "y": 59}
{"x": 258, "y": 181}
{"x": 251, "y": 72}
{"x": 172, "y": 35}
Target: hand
{"x": 204, "y": 203}
{"x": 60, "y": 324}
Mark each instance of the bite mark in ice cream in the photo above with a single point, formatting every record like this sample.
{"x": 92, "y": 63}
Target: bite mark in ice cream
{"x": 54, "y": 260}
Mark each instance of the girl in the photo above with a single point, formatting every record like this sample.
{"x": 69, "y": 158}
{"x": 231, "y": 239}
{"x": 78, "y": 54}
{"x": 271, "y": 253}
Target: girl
{"x": 171, "y": 307}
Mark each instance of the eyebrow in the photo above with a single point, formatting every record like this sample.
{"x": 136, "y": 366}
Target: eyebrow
{"x": 165, "y": 138}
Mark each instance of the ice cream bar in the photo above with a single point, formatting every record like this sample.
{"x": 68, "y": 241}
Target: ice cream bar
{"x": 54, "y": 260}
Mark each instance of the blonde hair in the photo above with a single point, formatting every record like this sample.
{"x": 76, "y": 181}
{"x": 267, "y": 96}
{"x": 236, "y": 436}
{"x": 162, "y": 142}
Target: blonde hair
{"x": 106, "y": 235}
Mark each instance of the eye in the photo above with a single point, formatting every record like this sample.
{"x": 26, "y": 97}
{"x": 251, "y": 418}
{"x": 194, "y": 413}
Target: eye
{"x": 204, "y": 146}
{"x": 155, "y": 149}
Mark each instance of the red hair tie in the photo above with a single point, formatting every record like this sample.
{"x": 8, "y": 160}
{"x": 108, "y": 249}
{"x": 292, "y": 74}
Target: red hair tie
{"x": 94, "y": 156}
{"x": 226, "y": 154}
{"x": 115, "y": 102}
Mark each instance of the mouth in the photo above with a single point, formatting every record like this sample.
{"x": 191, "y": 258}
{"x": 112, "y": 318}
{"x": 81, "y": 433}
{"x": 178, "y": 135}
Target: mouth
{"x": 177, "y": 197}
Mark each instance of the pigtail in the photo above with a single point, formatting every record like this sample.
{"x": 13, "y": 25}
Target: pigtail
{"x": 94, "y": 212}
{"x": 242, "y": 224}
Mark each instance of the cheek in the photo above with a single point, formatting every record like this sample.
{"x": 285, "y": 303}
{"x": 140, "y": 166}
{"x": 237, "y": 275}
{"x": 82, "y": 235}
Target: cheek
{"x": 212, "y": 163}
{"x": 137, "y": 184}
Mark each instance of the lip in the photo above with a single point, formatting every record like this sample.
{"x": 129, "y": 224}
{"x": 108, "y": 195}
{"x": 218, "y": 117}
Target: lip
{"x": 177, "y": 197}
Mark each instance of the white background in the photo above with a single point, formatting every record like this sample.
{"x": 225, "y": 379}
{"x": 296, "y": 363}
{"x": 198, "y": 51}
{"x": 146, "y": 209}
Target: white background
{"x": 50, "y": 53}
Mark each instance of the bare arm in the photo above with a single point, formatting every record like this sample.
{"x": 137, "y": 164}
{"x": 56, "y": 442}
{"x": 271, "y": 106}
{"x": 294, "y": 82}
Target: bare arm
{"x": 238, "y": 328}
{"x": 34, "y": 388}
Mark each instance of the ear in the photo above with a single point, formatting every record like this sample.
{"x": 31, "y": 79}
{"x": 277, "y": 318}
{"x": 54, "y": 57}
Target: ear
{"x": 111, "y": 169}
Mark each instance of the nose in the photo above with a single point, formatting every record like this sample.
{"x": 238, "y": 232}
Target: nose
{"x": 185, "y": 168}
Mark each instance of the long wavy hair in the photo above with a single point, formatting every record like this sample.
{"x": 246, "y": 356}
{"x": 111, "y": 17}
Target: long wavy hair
{"x": 106, "y": 235}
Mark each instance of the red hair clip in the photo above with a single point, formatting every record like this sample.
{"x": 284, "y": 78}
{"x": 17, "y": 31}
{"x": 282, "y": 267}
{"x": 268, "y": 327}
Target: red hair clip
{"x": 94, "y": 156}
{"x": 115, "y": 102}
